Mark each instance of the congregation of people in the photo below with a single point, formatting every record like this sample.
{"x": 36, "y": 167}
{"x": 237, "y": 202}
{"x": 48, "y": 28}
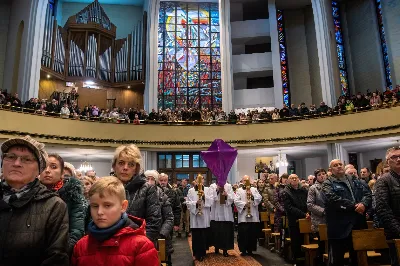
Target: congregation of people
{"x": 68, "y": 108}
{"x": 54, "y": 215}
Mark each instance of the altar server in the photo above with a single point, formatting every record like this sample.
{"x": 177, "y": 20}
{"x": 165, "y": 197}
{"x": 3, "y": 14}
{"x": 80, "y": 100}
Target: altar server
{"x": 247, "y": 200}
{"x": 210, "y": 237}
{"x": 223, "y": 228}
{"x": 199, "y": 201}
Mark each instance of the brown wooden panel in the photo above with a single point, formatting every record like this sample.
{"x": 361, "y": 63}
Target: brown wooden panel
{"x": 397, "y": 243}
{"x": 96, "y": 97}
{"x": 162, "y": 250}
{"x": 369, "y": 239}
{"x": 264, "y": 216}
{"x": 271, "y": 218}
{"x": 305, "y": 226}
{"x": 323, "y": 232}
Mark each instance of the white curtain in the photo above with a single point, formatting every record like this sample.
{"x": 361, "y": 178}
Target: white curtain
{"x": 150, "y": 96}
{"x": 226, "y": 55}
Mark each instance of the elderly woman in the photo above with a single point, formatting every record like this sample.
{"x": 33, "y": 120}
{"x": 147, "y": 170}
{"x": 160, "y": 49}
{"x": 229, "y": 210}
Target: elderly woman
{"x": 166, "y": 212}
{"x": 316, "y": 205}
{"x": 69, "y": 170}
{"x": 142, "y": 197}
{"x": 33, "y": 220}
{"x": 70, "y": 191}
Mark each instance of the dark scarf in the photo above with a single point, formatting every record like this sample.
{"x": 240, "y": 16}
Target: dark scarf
{"x": 11, "y": 194}
{"x": 102, "y": 234}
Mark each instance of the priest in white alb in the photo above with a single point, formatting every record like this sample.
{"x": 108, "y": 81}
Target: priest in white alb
{"x": 223, "y": 227}
{"x": 199, "y": 201}
{"x": 247, "y": 200}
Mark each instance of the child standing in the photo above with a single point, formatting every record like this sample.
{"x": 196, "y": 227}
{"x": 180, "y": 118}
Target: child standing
{"x": 114, "y": 238}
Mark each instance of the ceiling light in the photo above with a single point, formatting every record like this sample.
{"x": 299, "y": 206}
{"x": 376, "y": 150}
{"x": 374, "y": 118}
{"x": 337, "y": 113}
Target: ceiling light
{"x": 48, "y": 76}
{"x": 89, "y": 82}
{"x": 281, "y": 162}
{"x": 129, "y": 87}
{"x": 85, "y": 166}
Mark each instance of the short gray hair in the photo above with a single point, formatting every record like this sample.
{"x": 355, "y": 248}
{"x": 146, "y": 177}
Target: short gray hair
{"x": 390, "y": 150}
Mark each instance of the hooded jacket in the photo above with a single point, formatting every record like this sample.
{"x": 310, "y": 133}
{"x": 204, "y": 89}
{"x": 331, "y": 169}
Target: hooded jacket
{"x": 144, "y": 203}
{"x": 34, "y": 229}
{"x": 72, "y": 194}
{"x": 128, "y": 247}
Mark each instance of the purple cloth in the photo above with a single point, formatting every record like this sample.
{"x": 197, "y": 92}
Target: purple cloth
{"x": 219, "y": 159}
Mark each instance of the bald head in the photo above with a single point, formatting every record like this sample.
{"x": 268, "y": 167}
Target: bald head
{"x": 336, "y": 167}
{"x": 245, "y": 177}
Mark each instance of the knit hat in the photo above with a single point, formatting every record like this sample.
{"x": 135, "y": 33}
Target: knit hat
{"x": 36, "y": 147}
{"x": 152, "y": 173}
{"x": 70, "y": 167}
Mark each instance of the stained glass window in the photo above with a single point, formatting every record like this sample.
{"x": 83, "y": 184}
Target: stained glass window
{"x": 386, "y": 64}
{"x": 283, "y": 57}
{"x": 189, "y": 58}
{"x": 340, "y": 49}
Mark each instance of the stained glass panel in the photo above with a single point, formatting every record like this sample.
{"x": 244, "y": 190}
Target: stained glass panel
{"x": 340, "y": 48}
{"x": 283, "y": 57}
{"x": 388, "y": 75}
{"x": 189, "y": 60}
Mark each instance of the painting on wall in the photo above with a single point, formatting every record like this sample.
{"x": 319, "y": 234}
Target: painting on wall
{"x": 265, "y": 165}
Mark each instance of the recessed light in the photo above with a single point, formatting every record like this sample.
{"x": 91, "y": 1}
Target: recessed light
{"x": 129, "y": 87}
{"x": 48, "y": 76}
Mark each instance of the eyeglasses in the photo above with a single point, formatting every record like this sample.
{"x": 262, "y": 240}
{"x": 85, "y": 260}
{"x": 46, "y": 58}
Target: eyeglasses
{"x": 394, "y": 157}
{"x": 11, "y": 157}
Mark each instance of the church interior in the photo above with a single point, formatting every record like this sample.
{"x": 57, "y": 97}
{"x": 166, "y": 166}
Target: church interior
{"x": 250, "y": 95}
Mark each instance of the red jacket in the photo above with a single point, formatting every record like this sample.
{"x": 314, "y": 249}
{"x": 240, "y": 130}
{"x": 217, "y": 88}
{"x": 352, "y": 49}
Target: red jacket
{"x": 129, "y": 246}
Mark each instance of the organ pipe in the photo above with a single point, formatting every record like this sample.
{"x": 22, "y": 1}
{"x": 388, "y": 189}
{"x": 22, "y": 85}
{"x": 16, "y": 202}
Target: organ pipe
{"x": 104, "y": 57}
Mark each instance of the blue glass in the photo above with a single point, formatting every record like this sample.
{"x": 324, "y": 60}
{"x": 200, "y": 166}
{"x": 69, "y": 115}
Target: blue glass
{"x": 188, "y": 42}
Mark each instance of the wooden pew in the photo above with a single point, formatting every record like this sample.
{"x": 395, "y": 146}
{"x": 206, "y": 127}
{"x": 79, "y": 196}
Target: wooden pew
{"x": 162, "y": 252}
{"x": 287, "y": 252}
{"x": 264, "y": 218}
{"x": 309, "y": 249}
{"x": 370, "y": 224}
{"x": 364, "y": 241}
{"x": 397, "y": 244}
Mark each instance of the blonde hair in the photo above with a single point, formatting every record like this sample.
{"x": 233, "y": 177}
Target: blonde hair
{"x": 371, "y": 184}
{"x": 86, "y": 178}
{"x": 108, "y": 184}
{"x": 131, "y": 152}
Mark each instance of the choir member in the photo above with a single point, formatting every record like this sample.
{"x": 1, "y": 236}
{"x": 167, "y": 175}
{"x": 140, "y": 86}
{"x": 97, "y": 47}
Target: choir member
{"x": 247, "y": 200}
{"x": 223, "y": 228}
{"x": 199, "y": 201}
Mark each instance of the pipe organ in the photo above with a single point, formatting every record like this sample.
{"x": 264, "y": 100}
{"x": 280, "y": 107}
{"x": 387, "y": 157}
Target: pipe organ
{"x": 86, "y": 47}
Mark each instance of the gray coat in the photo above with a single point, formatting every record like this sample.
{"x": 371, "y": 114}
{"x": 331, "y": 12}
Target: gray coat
{"x": 316, "y": 205}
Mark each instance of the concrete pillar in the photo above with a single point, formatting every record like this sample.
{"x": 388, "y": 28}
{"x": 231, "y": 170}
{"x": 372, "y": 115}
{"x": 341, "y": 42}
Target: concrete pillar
{"x": 323, "y": 21}
{"x": 233, "y": 175}
{"x": 336, "y": 151}
{"x": 276, "y": 62}
{"x": 226, "y": 55}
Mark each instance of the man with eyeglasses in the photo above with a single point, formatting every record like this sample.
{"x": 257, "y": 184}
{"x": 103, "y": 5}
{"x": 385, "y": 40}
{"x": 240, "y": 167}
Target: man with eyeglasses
{"x": 33, "y": 220}
{"x": 347, "y": 199}
{"x": 388, "y": 200}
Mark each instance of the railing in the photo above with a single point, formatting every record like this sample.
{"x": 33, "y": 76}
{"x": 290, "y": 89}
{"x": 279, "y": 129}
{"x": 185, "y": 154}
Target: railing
{"x": 186, "y": 123}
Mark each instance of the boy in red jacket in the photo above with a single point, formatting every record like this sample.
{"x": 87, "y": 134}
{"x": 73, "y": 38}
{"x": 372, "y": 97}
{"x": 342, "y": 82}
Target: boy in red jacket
{"x": 114, "y": 238}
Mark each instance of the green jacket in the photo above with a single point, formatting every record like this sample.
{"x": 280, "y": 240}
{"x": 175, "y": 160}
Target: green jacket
{"x": 72, "y": 194}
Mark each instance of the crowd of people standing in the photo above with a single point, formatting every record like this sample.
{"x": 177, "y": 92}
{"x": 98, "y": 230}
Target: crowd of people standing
{"x": 55, "y": 216}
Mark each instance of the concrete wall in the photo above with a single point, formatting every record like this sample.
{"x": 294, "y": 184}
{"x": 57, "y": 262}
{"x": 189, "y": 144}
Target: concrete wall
{"x": 246, "y": 166}
{"x": 312, "y": 52}
{"x": 363, "y": 39}
{"x": 124, "y": 17}
{"x": 252, "y": 62}
{"x": 249, "y": 98}
{"x": 5, "y": 10}
{"x": 236, "y": 12}
{"x": 250, "y": 28}
{"x": 391, "y": 11}
{"x": 297, "y": 56}
{"x": 310, "y": 164}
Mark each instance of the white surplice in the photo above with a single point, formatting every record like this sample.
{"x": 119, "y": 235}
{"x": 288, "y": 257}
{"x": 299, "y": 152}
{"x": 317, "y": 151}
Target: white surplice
{"x": 241, "y": 201}
{"x": 199, "y": 221}
{"x": 213, "y": 188}
{"x": 223, "y": 212}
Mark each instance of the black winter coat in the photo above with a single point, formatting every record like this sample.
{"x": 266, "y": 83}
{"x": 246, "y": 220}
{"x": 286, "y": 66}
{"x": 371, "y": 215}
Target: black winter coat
{"x": 167, "y": 219}
{"x": 295, "y": 201}
{"x": 144, "y": 203}
{"x": 341, "y": 217}
{"x": 72, "y": 194}
{"x": 34, "y": 229}
{"x": 175, "y": 201}
{"x": 387, "y": 197}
